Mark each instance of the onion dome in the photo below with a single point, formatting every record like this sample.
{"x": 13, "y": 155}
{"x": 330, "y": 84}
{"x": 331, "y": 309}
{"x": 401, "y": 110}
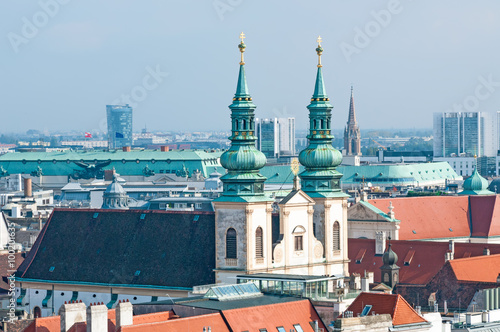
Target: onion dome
{"x": 476, "y": 185}
{"x": 389, "y": 257}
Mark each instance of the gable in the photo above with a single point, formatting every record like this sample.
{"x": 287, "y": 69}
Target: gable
{"x": 296, "y": 197}
{"x": 124, "y": 247}
{"x": 363, "y": 212}
{"x": 485, "y": 216}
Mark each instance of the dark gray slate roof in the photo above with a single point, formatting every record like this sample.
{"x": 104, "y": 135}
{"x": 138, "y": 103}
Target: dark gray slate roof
{"x": 124, "y": 247}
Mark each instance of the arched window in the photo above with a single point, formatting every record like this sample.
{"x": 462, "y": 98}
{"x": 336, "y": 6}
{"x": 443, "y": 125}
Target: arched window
{"x": 336, "y": 236}
{"x": 244, "y": 125}
{"x": 314, "y": 124}
{"x": 259, "y": 243}
{"x": 322, "y": 124}
{"x": 231, "y": 243}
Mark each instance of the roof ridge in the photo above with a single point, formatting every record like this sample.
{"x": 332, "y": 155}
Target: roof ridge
{"x": 463, "y": 259}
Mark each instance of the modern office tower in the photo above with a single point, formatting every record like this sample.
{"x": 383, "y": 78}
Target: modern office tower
{"x": 352, "y": 135}
{"x": 464, "y": 134}
{"x": 276, "y": 136}
{"x": 119, "y": 126}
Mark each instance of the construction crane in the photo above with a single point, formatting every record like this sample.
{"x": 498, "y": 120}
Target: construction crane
{"x": 383, "y": 147}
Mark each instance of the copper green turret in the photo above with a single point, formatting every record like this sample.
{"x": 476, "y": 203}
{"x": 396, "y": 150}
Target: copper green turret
{"x": 242, "y": 160}
{"x": 320, "y": 178}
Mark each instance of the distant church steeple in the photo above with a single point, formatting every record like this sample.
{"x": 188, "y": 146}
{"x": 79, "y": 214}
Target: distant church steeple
{"x": 352, "y": 135}
{"x": 320, "y": 158}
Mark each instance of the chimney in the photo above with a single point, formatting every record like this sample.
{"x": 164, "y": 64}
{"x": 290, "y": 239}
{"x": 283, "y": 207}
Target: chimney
{"x": 365, "y": 283}
{"x": 164, "y": 148}
{"x": 126, "y": 148}
{"x": 364, "y": 196}
{"x": 379, "y": 243}
{"x": 391, "y": 211}
{"x": 109, "y": 174}
{"x": 486, "y": 252}
{"x": 498, "y": 279}
{"x": 451, "y": 247}
{"x": 124, "y": 314}
{"x": 70, "y": 314}
{"x": 27, "y": 187}
{"x": 97, "y": 318}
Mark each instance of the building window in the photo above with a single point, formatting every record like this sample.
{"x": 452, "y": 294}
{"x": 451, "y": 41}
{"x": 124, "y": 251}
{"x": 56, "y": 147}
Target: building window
{"x": 231, "y": 243}
{"x": 259, "y": 244}
{"x": 336, "y": 236}
{"x": 299, "y": 243}
{"x": 197, "y": 206}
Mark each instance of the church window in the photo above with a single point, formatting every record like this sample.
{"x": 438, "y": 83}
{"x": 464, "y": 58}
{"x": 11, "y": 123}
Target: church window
{"x": 394, "y": 277}
{"x": 336, "y": 236}
{"x": 299, "y": 246}
{"x": 322, "y": 124}
{"x": 259, "y": 243}
{"x": 314, "y": 124}
{"x": 386, "y": 277}
{"x": 244, "y": 125}
{"x": 231, "y": 243}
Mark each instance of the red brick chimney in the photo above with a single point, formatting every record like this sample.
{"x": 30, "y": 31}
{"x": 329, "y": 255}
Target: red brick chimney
{"x": 164, "y": 148}
{"x": 126, "y": 148}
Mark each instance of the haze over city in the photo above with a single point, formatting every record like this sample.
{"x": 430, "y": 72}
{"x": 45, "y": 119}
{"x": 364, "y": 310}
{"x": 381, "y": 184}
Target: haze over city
{"x": 406, "y": 59}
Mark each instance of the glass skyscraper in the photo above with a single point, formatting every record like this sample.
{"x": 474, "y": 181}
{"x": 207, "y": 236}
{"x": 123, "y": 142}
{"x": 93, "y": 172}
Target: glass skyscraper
{"x": 119, "y": 120}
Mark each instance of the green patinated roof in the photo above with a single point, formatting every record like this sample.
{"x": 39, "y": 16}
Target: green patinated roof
{"x": 354, "y": 174}
{"x": 476, "y": 185}
{"x": 125, "y": 163}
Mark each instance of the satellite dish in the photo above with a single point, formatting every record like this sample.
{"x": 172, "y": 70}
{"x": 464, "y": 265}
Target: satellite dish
{"x": 369, "y": 185}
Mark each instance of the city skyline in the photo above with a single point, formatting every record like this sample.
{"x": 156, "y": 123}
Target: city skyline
{"x": 71, "y": 62}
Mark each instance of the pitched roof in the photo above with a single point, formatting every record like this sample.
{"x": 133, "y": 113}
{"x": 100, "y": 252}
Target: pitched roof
{"x": 48, "y": 324}
{"x": 124, "y": 247}
{"x": 478, "y": 269}
{"x": 393, "y": 304}
{"x": 5, "y": 268}
{"x": 419, "y": 261}
{"x": 485, "y": 215}
{"x": 194, "y": 323}
{"x": 272, "y": 316}
{"x": 429, "y": 217}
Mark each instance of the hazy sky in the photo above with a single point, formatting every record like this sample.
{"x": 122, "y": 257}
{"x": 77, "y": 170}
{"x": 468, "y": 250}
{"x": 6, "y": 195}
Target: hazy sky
{"x": 62, "y": 61}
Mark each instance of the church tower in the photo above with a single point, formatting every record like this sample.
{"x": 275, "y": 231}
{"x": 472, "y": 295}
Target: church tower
{"x": 352, "y": 135}
{"x": 390, "y": 271}
{"x": 243, "y": 212}
{"x": 321, "y": 181}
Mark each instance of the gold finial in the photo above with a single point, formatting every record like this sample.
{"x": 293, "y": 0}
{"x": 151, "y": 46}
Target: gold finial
{"x": 242, "y": 47}
{"x": 319, "y": 50}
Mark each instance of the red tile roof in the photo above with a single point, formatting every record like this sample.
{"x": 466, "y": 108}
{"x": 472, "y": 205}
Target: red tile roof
{"x": 478, "y": 269}
{"x": 272, "y": 316}
{"x": 46, "y": 324}
{"x": 393, "y": 304}
{"x": 195, "y": 323}
{"x": 429, "y": 217}
{"x": 426, "y": 261}
{"x": 485, "y": 215}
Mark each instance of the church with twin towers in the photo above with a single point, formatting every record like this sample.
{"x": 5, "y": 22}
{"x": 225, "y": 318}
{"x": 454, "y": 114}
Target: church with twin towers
{"x": 312, "y": 234}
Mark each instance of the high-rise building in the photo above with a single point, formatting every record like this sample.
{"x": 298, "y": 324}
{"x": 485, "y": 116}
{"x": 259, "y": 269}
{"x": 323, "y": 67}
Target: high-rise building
{"x": 352, "y": 135}
{"x": 464, "y": 134}
{"x": 119, "y": 126}
{"x": 276, "y": 136}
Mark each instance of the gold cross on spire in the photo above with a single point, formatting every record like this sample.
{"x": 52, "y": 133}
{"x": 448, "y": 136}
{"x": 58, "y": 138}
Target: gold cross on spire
{"x": 242, "y": 47}
{"x": 319, "y": 50}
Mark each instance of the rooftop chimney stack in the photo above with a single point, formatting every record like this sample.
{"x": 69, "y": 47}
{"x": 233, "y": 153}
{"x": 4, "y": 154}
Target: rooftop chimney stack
{"x": 486, "y": 252}
{"x": 124, "y": 314}
{"x": 364, "y": 196}
{"x": 126, "y": 148}
{"x": 28, "y": 187}
{"x": 498, "y": 279}
{"x": 379, "y": 243}
{"x": 97, "y": 318}
{"x": 70, "y": 314}
{"x": 164, "y": 148}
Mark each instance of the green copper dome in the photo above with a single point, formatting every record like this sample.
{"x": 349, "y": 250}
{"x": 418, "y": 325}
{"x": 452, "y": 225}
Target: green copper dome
{"x": 320, "y": 155}
{"x": 390, "y": 257}
{"x": 476, "y": 185}
{"x": 243, "y": 158}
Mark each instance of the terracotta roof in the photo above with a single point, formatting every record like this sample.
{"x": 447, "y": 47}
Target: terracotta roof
{"x": 393, "y": 304}
{"x": 195, "y": 323}
{"x": 272, "y": 316}
{"x": 478, "y": 269}
{"x": 46, "y": 324}
{"x": 429, "y": 217}
{"x": 485, "y": 215}
{"x": 423, "y": 258}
